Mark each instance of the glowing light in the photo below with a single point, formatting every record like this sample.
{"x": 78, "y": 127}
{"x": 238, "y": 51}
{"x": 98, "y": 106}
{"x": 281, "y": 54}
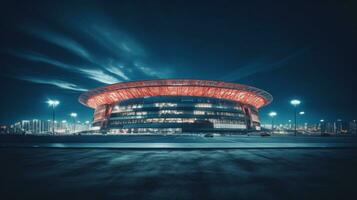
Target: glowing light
{"x": 175, "y": 87}
{"x": 321, "y": 120}
{"x": 302, "y": 113}
{"x": 272, "y": 114}
{"x": 53, "y": 103}
{"x": 295, "y": 102}
{"x": 73, "y": 114}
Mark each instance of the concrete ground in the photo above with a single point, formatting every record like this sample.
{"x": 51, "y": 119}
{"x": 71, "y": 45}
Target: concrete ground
{"x": 178, "y": 174}
{"x": 260, "y": 168}
{"x": 178, "y": 142}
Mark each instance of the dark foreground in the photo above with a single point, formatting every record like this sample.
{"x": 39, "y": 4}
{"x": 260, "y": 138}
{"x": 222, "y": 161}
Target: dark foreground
{"x": 29, "y": 173}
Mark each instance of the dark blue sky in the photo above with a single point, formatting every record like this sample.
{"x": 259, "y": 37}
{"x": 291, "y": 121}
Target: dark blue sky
{"x": 292, "y": 49}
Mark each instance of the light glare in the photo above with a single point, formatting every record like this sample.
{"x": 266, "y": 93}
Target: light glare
{"x": 272, "y": 114}
{"x": 53, "y": 103}
{"x": 295, "y": 102}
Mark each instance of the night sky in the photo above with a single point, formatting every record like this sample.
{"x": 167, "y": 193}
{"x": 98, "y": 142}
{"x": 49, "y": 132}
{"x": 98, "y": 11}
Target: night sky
{"x": 57, "y": 50}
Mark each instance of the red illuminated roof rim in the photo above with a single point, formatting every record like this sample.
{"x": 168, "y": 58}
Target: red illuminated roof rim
{"x": 83, "y": 98}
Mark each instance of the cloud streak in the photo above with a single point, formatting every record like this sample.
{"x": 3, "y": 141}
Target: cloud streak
{"x": 60, "y": 40}
{"x": 110, "y": 44}
{"x": 36, "y": 57}
{"x": 94, "y": 74}
{"x": 99, "y": 75}
{"x": 58, "y": 83}
{"x": 158, "y": 73}
{"x": 114, "y": 40}
{"x": 255, "y": 68}
{"x": 123, "y": 47}
{"x": 117, "y": 71}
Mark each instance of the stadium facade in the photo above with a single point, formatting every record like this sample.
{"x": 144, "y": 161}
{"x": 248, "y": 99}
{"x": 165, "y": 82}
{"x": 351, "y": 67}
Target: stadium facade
{"x": 176, "y": 106}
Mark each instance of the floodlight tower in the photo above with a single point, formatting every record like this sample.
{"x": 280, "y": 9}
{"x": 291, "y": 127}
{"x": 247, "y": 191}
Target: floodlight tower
{"x": 272, "y": 115}
{"x": 295, "y": 103}
{"x": 302, "y": 113}
{"x": 53, "y": 104}
{"x": 321, "y": 121}
{"x": 74, "y": 115}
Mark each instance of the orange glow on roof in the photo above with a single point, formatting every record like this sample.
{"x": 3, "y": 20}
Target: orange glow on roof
{"x": 176, "y": 87}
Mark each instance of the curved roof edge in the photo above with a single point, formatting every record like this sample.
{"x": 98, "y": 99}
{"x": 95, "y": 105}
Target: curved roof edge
{"x": 103, "y": 92}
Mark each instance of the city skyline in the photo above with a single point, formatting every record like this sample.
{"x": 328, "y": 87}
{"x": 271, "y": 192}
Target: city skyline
{"x": 61, "y": 50}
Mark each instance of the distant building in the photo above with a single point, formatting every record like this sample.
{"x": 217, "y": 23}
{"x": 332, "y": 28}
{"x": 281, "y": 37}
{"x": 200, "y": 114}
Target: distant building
{"x": 25, "y": 126}
{"x": 341, "y": 127}
{"x": 352, "y": 128}
{"x": 4, "y": 129}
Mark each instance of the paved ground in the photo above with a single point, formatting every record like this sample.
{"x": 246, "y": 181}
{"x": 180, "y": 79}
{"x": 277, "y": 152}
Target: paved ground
{"x": 173, "y": 174}
{"x": 254, "y": 173}
{"x": 179, "y": 142}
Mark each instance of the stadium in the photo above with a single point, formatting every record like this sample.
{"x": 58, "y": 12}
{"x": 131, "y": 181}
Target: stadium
{"x": 176, "y": 106}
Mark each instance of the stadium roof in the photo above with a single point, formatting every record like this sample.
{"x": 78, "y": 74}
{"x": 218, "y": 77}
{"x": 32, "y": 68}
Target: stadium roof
{"x": 175, "y": 87}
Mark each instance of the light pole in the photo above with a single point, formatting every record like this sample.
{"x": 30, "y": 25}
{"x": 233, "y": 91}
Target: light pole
{"x": 338, "y": 126}
{"x": 53, "y": 104}
{"x": 64, "y": 125}
{"x": 295, "y": 103}
{"x": 87, "y": 125}
{"x": 302, "y": 113}
{"x": 321, "y": 121}
{"x": 74, "y": 115}
{"x": 272, "y": 115}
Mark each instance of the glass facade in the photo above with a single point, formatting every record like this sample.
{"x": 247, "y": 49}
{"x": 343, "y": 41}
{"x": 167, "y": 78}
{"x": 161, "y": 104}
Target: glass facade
{"x": 176, "y": 114}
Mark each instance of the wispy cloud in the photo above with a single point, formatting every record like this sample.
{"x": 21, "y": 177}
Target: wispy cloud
{"x": 36, "y": 57}
{"x": 99, "y": 75}
{"x": 158, "y": 73}
{"x": 112, "y": 58}
{"x": 94, "y": 74}
{"x": 113, "y": 39}
{"x": 59, "y": 40}
{"x": 117, "y": 71}
{"x": 254, "y": 68}
{"x": 58, "y": 83}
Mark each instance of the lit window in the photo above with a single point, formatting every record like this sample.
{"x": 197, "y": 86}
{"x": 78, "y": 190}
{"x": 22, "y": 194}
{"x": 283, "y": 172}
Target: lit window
{"x": 160, "y": 105}
{"x": 170, "y": 112}
{"x": 203, "y": 105}
{"x": 198, "y": 112}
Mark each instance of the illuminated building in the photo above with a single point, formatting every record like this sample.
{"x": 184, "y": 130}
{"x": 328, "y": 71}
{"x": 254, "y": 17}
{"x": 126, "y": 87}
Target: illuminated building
{"x": 176, "y": 106}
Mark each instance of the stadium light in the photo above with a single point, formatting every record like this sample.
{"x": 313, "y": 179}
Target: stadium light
{"x": 302, "y": 113}
{"x": 53, "y": 104}
{"x": 272, "y": 115}
{"x": 295, "y": 103}
{"x": 74, "y": 115}
{"x": 322, "y": 131}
